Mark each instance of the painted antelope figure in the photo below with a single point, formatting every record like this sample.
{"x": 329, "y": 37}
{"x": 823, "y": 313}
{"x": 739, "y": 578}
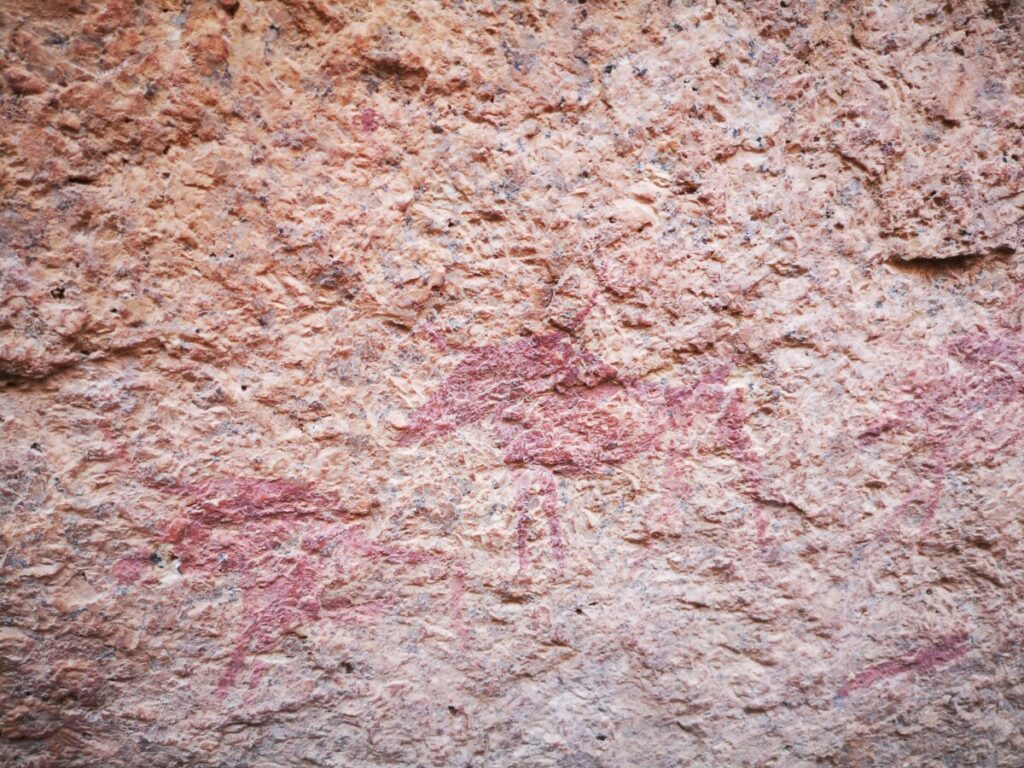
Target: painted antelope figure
{"x": 558, "y": 411}
{"x": 294, "y": 555}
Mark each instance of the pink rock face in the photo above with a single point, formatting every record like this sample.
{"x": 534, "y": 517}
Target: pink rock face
{"x": 551, "y": 384}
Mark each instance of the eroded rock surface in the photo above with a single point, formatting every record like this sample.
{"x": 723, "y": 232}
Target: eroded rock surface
{"x": 511, "y": 383}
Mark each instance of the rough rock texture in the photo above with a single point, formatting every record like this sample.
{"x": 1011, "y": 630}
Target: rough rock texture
{"x": 440, "y": 383}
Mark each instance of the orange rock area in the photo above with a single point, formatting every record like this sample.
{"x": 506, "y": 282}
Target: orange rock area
{"x": 511, "y": 384}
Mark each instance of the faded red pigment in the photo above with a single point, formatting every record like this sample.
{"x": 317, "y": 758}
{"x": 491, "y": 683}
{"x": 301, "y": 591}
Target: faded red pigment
{"x": 237, "y": 500}
{"x": 949, "y": 415}
{"x": 286, "y": 544}
{"x": 491, "y": 380}
{"x": 130, "y": 569}
{"x": 920, "y": 661}
{"x": 560, "y": 411}
{"x": 548, "y": 506}
{"x": 732, "y": 428}
{"x": 370, "y": 120}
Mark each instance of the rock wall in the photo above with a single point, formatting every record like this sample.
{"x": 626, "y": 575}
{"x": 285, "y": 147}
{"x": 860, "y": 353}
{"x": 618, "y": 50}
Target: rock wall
{"x": 449, "y": 383}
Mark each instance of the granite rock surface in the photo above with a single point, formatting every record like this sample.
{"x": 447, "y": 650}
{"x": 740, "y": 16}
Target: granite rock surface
{"x": 570, "y": 384}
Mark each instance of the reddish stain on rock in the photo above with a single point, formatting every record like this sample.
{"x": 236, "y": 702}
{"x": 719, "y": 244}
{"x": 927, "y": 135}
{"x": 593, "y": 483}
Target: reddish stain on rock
{"x": 236, "y": 500}
{"x": 274, "y": 604}
{"x": 949, "y": 415}
{"x": 583, "y": 431}
{"x": 491, "y": 380}
{"x": 370, "y": 120}
{"x": 566, "y": 410}
{"x": 557, "y": 409}
{"x": 920, "y": 661}
{"x": 130, "y": 569}
{"x": 293, "y": 556}
{"x": 732, "y": 429}
{"x": 537, "y": 484}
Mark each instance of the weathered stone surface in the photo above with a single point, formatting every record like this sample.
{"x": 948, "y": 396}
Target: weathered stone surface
{"x": 511, "y": 383}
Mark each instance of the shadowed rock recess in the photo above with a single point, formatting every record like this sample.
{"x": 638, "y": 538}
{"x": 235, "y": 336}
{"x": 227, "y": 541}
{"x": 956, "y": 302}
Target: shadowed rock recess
{"x": 511, "y": 383}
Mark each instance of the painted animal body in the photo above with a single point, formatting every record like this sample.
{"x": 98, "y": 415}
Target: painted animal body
{"x": 558, "y": 411}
